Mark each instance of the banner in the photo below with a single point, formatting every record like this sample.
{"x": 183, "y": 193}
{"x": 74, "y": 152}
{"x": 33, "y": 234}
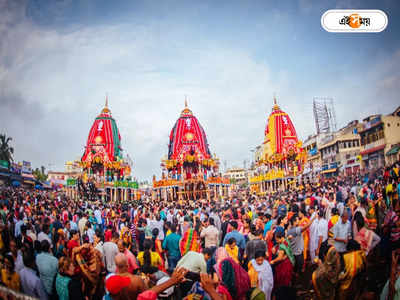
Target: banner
{"x": 16, "y": 168}
{"x": 127, "y": 184}
{"x": 26, "y": 167}
{"x": 71, "y": 181}
{"x": 4, "y": 164}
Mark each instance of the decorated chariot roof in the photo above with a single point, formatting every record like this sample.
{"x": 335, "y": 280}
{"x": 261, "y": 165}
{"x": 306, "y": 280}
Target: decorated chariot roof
{"x": 280, "y": 134}
{"x": 104, "y": 140}
{"x": 188, "y": 137}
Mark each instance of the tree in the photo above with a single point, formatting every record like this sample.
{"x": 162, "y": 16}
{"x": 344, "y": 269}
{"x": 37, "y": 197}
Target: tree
{"x": 6, "y": 151}
{"x": 40, "y": 174}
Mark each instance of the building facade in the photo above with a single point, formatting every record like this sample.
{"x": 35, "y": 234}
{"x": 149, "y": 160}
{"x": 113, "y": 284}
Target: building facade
{"x": 380, "y": 136}
{"x": 237, "y": 175}
{"x": 340, "y": 151}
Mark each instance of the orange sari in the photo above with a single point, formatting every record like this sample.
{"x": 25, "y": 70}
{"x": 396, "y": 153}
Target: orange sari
{"x": 306, "y": 236}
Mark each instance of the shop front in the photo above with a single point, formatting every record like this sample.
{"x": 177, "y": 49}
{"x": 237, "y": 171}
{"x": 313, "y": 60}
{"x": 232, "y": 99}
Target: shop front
{"x": 373, "y": 158}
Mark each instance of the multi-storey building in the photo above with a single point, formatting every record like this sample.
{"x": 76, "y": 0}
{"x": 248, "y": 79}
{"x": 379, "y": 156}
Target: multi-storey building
{"x": 340, "y": 150}
{"x": 380, "y": 136}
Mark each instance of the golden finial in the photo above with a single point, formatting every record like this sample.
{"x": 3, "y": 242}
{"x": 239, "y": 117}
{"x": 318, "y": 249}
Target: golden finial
{"x": 276, "y": 106}
{"x": 106, "y": 109}
{"x": 186, "y": 110}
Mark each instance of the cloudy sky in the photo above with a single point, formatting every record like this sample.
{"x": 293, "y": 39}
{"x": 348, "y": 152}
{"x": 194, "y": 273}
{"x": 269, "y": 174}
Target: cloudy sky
{"x": 58, "y": 59}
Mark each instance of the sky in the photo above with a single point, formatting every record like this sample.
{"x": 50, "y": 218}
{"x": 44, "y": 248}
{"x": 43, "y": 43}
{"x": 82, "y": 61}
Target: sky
{"x": 59, "y": 58}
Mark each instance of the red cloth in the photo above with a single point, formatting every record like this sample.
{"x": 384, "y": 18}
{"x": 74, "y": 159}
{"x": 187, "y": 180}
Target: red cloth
{"x": 283, "y": 273}
{"x": 107, "y": 235}
{"x": 115, "y": 283}
{"x": 147, "y": 295}
{"x": 71, "y": 245}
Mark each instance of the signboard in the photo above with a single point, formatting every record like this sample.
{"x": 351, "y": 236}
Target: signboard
{"x": 127, "y": 184}
{"x": 4, "y": 164}
{"x": 313, "y": 151}
{"x": 71, "y": 181}
{"x": 16, "y": 168}
{"x": 26, "y": 167}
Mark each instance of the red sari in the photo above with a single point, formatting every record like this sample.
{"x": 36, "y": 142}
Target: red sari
{"x": 284, "y": 269}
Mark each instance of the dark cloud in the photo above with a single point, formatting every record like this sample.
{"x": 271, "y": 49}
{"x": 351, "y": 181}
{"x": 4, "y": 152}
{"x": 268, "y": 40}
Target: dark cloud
{"x": 15, "y": 108}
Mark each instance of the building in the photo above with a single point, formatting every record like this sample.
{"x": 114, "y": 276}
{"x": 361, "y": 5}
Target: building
{"x": 313, "y": 164}
{"x": 73, "y": 166}
{"x": 237, "y": 175}
{"x": 61, "y": 178}
{"x": 380, "y": 136}
{"x": 339, "y": 151}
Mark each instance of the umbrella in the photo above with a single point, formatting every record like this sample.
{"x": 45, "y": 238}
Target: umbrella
{"x": 38, "y": 187}
{"x": 16, "y": 183}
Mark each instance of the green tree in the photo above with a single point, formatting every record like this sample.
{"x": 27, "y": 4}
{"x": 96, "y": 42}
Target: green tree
{"x": 6, "y": 151}
{"x": 40, "y": 174}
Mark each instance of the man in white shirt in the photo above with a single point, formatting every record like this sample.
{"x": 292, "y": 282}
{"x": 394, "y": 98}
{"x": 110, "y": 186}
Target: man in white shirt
{"x": 313, "y": 233}
{"x": 322, "y": 233}
{"x": 97, "y": 215}
{"x": 44, "y": 234}
{"x": 210, "y": 234}
{"x": 341, "y": 233}
{"x": 159, "y": 224}
{"x": 217, "y": 220}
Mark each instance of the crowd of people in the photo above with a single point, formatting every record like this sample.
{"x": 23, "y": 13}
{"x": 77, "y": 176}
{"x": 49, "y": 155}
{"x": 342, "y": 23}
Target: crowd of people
{"x": 334, "y": 238}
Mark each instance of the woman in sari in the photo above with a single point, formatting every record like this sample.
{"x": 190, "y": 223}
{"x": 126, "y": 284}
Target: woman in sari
{"x": 60, "y": 250}
{"x": 9, "y": 276}
{"x": 260, "y": 273}
{"x": 89, "y": 262}
{"x": 325, "y": 278}
{"x": 68, "y": 286}
{"x": 232, "y": 249}
{"x": 354, "y": 264}
{"x": 234, "y": 281}
{"x": 126, "y": 236}
{"x": 284, "y": 262}
{"x": 304, "y": 221}
{"x": 365, "y": 237}
{"x": 189, "y": 242}
{"x": 148, "y": 258}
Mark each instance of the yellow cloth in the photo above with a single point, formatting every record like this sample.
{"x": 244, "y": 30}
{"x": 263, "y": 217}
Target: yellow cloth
{"x": 354, "y": 263}
{"x": 306, "y": 235}
{"x": 1, "y": 243}
{"x": 253, "y": 275}
{"x": 333, "y": 220}
{"x": 11, "y": 281}
{"x": 396, "y": 170}
{"x": 233, "y": 253}
{"x": 155, "y": 259}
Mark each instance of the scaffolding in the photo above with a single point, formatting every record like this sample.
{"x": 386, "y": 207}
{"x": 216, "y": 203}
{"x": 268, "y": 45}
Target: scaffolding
{"x": 324, "y": 115}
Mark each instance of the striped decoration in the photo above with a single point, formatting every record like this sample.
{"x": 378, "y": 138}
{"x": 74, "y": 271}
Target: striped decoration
{"x": 105, "y": 131}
